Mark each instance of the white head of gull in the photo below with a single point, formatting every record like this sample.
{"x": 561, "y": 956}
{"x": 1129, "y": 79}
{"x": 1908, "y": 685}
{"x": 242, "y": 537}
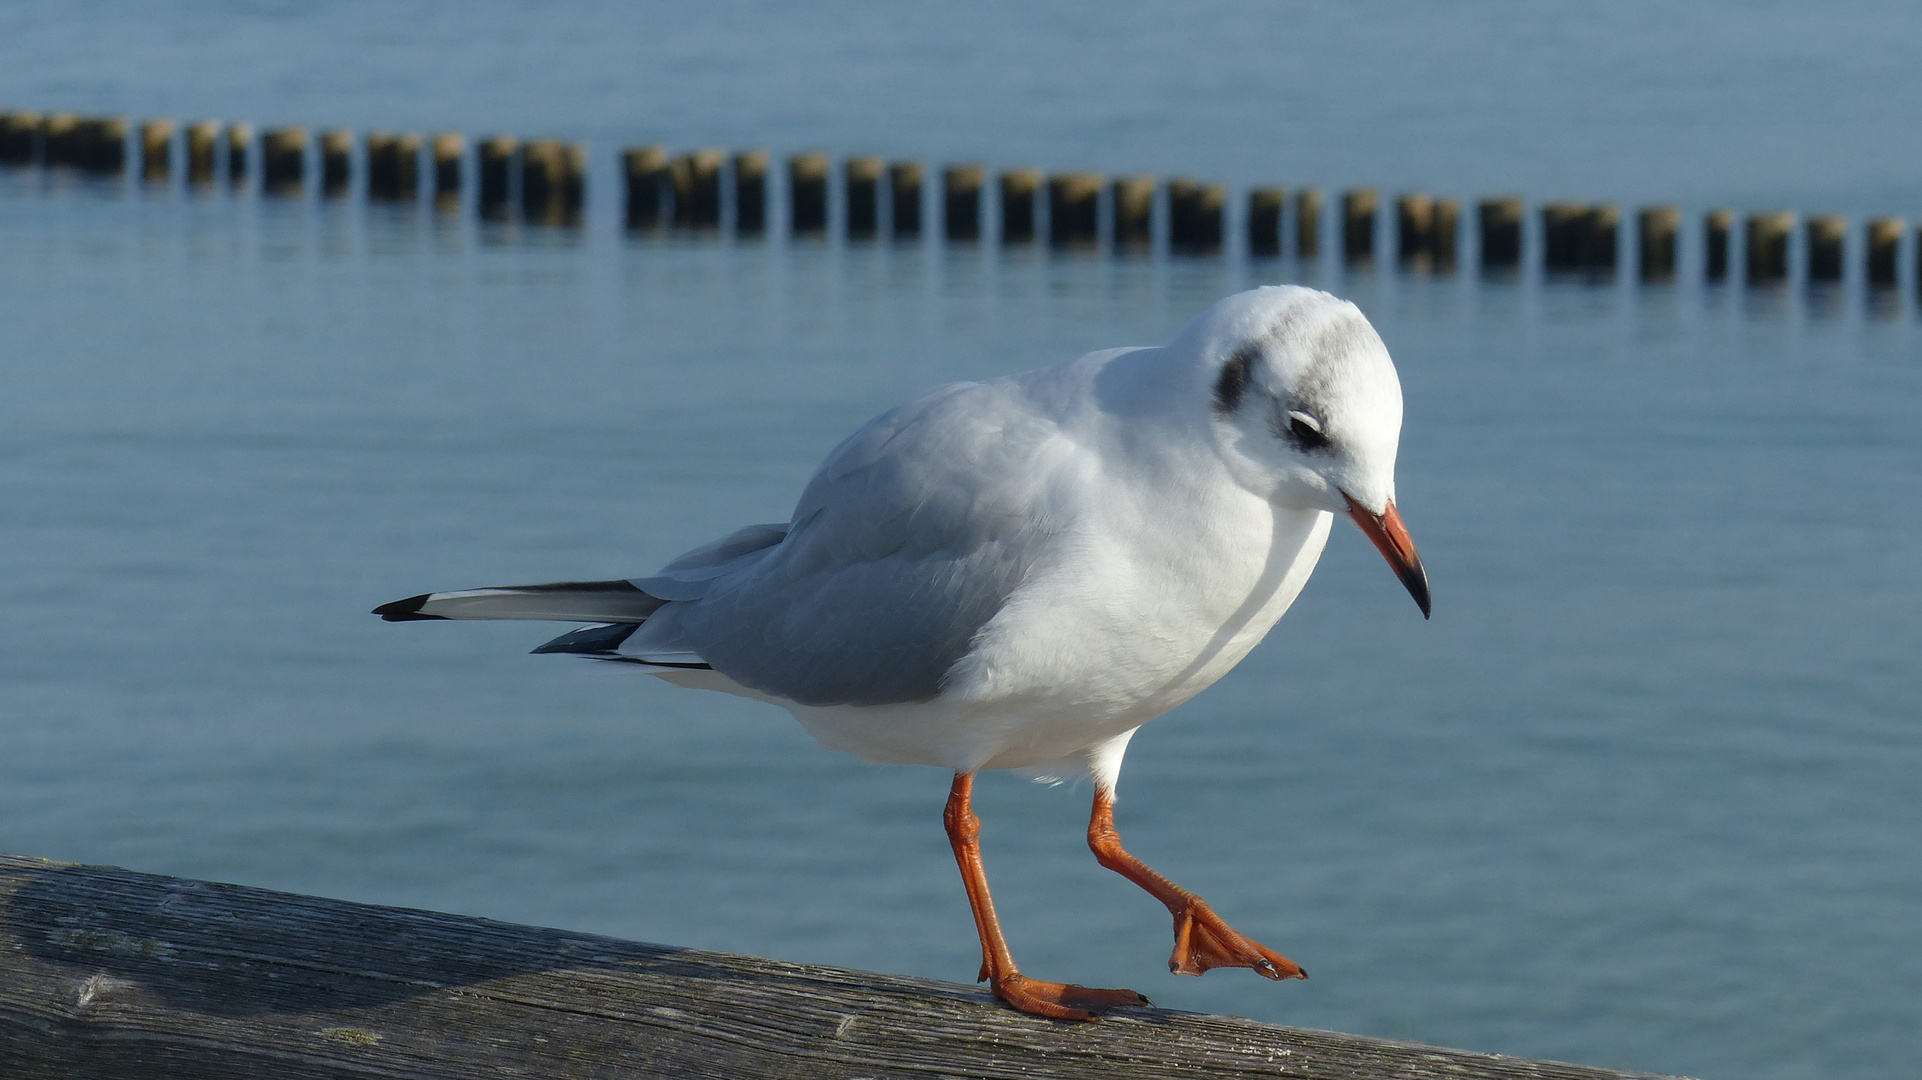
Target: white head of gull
{"x": 1018, "y": 573}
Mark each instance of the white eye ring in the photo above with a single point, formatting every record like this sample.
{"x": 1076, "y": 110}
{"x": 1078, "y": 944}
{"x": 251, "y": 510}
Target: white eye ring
{"x": 1304, "y": 418}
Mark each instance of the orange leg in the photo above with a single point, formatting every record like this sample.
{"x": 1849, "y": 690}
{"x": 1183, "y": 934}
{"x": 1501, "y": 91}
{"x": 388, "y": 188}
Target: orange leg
{"x": 1057, "y": 1001}
{"x": 1202, "y": 939}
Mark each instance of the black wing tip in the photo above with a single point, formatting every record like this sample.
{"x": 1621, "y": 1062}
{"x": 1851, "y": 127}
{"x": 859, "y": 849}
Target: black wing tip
{"x": 407, "y": 610}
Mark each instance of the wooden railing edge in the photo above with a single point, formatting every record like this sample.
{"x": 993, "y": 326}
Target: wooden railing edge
{"x": 110, "y": 973}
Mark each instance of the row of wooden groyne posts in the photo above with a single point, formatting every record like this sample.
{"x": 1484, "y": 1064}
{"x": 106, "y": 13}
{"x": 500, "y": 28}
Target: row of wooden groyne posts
{"x": 544, "y": 181}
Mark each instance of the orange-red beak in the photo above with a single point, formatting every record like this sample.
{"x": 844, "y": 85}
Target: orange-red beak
{"x": 1392, "y": 540}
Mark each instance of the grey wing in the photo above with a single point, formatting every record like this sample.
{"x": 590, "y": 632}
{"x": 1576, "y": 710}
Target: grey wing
{"x": 911, "y": 536}
{"x": 687, "y": 577}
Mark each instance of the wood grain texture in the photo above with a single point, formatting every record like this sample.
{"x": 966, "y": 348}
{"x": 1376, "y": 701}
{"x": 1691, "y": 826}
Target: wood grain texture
{"x": 106, "y": 973}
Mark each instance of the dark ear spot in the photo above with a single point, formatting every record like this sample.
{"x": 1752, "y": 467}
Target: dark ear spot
{"x": 1233, "y": 382}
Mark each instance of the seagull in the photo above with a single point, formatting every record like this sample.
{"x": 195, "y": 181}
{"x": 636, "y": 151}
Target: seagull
{"x": 1019, "y": 573}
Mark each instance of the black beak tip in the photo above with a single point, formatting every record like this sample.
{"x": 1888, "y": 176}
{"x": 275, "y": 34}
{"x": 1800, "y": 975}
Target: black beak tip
{"x": 1417, "y": 582}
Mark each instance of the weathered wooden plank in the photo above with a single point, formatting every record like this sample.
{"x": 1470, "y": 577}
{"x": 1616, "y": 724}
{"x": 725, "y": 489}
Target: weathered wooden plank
{"x": 106, "y": 973}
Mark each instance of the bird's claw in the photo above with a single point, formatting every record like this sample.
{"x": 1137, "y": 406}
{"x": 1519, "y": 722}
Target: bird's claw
{"x": 1203, "y": 942}
{"x": 1061, "y": 1001}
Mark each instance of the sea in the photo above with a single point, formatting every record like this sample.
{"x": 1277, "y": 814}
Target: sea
{"x": 1642, "y": 794}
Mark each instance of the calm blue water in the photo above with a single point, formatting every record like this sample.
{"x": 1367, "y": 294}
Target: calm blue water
{"x": 1642, "y": 794}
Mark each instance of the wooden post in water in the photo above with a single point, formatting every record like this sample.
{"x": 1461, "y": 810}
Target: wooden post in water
{"x": 283, "y": 160}
{"x": 19, "y": 131}
{"x": 19, "y": 136}
{"x": 1657, "y": 230}
{"x": 904, "y": 197}
{"x": 1211, "y": 213}
{"x": 961, "y": 201}
{"x": 1195, "y": 212}
{"x": 750, "y": 192}
{"x": 110, "y": 145}
{"x": 1264, "y": 221}
{"x": 99, "y": 144}
{"x": 1500, "y": 219}
{"x": 541, "y": 181}
{"x": 1827, "y": 235}
{"x": 407, "y": 168}
{"x": 1074, "y": 208}
{"x": 336, "y": 162}
{"x": 861, "y": 183}
{"x": 1414, "y": 226}
{"x": 1603, "y": 244}
{"x": 495, "y": 165}
{"x": 1884, "y": 242}
{"x": 240, "y": 136}
{"x": 450, "y": 149}
{"x": 383, "y": 165}
{"x": 1308, "y": 224}
{"x": 78, "y": 143}
{"x": 157, "y": 151}
{"x": 1018, "y": 191}
{"x": 1768, "y": 246}
{"x": 1445, "y": 236}
{"x": 697, "y": 188}
{"x": 1716, "y": 227}
{"x": 807, "y": 186}
{"x": 1358, "y": 209}
{"x": 32, "y": 138}
{"x": 1565, "y": 228}
{"x": 67, "y": 138}
{"x": 1184, "y": 199}
{"x": 1133, "y": 198}
{"x": 59, "y": 138}
{"x": 202, "y": 135}
{"x": 645, "y": 172}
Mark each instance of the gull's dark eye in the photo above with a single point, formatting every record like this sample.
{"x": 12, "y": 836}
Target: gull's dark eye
{"x": 1305, "y": 431}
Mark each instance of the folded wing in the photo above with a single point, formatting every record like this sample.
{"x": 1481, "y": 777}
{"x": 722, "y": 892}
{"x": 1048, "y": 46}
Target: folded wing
{"x": 911, "y": 536}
